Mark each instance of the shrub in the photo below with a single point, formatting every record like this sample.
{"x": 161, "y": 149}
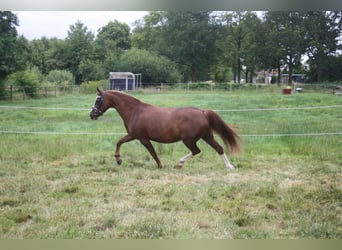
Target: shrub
{"x": 153, "y": 67}
{"x": 61, "y": 78}
{"x": 90, "y": 86}
{"x": 28, "y": 80}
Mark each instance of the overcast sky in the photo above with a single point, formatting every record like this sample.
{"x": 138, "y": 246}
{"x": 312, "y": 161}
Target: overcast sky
{"x": 36, "y": 24}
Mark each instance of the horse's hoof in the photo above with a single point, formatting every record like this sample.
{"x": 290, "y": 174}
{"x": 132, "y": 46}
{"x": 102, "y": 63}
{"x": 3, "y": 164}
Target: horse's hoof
{"x": 119, "y": 161}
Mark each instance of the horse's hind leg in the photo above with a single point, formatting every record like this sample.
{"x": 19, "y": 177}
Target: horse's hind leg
{"x": 191, "y": 144}
{"x": 124, "y": 139}
{"x": 150, "y": 149}
{"x": 214, "y": 144}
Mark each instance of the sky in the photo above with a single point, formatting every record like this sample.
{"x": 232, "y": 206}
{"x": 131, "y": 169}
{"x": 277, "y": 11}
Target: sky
{"x": 36, "y": 24}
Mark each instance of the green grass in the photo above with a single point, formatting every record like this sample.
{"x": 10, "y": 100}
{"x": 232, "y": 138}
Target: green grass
{"x": 69, "y": 186}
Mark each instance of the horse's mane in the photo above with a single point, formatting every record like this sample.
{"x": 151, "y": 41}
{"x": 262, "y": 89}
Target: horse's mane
{"x": 123, "y": 96}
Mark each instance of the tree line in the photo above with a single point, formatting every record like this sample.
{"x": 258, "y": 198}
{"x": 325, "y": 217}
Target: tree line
{"x": 174, "y": 46}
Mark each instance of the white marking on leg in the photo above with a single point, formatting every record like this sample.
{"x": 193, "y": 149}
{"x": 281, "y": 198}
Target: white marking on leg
{"x": 227, "y": 162}
{"x": 184, "y": 158}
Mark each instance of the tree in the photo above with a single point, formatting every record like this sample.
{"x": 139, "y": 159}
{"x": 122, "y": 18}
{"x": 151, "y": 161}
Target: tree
{"x": 253, "y": 47}
{"x": 238, "y": 42}
{"x": 38, "y": 58}
{"x": 153, "y": 67}
{"x": 323, "y": 28}
{"x": 47, "y": 54}
{"x": 12, "y": 48}
{"x": 286, "y": 36}
{"x": 28, "y": 80}
{"x": 331, "y": 66}
{"x": 147, "y": 33}
{"x": 56, "y": 55}
{"x": 117, "y": 32}
{"x": 91, "y": 70}
{"x": 79, "y": 48}
{"x": 112, "y": 40}
{"x": 189, "y": 40}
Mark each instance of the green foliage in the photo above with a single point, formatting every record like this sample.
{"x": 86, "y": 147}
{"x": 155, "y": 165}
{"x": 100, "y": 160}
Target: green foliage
{"x": 147, "y": 33}
{"x": 79, "y": 48}
{"x": 189, "y": 39}
{"x": 199, "y": 86}
{"x": 286, "y": 37}
{"x": 89, "y": 87}
{"x": 13, "y": 54}
{"x": 8, "y": 34}
{"x": 117, "y": 32}
{"x": 60, "y": 77}
{"x": 330, "y": 70}
{"x": 27, "y": 80}
{"x": 169, "y": 46}
{"x": 238, "y": 43}
{"x": 112, "y": 40}
{"x": 153, "y": 67}
{"x": 91, "y": 70}
{"x": 221, "y": 73}
{"x": 48, "y": 54}
{"x": 323, "y": 29}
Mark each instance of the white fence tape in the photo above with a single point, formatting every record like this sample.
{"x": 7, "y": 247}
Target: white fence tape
{"x": 217, "y": 110}
{"x": 92, "y": 133}
{"x": 225, "y": 110}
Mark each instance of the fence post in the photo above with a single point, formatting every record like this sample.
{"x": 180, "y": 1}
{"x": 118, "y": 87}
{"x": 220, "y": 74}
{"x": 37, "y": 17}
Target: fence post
{"x": 24, "y": 93}
{"x": 11, "y": 92}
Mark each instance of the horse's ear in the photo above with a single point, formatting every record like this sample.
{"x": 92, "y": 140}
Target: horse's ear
{"x": 99, "y": 91}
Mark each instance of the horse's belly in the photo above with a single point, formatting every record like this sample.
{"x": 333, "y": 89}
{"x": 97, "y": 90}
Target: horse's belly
{"x": 172, "y": 133}
{"x": 172, "y": 126}
{"x": 165, "y": 135}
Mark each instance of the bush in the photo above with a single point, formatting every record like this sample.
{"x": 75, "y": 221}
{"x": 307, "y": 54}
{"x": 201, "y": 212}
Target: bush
{"x": 3, "y": 91}
{"x": 331, "y": 71}
{"x": 63, "y": 79}
{"x": 90, "y": 87}
{"x": 28, "y": 80}
{"x": 60, "y": 76}
{"x": 153, "y": 67}
{"x": 199, "y": 86}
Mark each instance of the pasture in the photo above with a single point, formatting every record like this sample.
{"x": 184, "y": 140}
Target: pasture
{"x": 59, "y": 178}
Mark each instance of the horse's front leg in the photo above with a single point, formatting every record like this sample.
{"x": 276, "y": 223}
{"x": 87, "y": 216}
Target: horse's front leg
{"x": 123, "y": 140}
{"x": 150, "y": 149}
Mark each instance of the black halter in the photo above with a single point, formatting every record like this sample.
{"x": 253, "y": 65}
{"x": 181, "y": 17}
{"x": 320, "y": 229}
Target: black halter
{"x": 99, "y": 102}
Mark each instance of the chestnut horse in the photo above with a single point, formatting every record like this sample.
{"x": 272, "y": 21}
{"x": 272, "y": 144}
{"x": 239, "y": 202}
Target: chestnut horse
{"x": 147, "y": 123}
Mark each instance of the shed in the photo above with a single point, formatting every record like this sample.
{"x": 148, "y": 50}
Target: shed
{"x": 122, "y": 81}
{"x": 299, "y": 78}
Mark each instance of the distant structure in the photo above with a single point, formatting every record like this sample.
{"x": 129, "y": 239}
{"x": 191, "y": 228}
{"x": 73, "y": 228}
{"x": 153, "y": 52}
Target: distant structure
{"x": 124, "y": 81}
{"x": 298, "y": 78}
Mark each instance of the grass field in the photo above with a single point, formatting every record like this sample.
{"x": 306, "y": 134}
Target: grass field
{"x": 67, "y": 184}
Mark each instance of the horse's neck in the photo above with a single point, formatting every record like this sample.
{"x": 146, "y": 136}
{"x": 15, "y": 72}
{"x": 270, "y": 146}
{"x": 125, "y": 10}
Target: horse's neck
{"x": 125, "y": 105}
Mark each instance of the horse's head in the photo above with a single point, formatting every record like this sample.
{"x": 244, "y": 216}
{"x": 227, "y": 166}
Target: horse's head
{"x": 99, "y": 106}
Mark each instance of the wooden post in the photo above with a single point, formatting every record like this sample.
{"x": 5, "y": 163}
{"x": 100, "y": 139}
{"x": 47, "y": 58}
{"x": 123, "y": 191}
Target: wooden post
{"x": 24, "y": 93}
{"x": 11, "y": 92}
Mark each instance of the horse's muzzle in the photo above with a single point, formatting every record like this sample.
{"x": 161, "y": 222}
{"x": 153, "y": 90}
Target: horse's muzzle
{"x": 95, "y": 113}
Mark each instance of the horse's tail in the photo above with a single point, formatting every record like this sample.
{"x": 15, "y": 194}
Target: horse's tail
{"x": 227, "y": 133}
